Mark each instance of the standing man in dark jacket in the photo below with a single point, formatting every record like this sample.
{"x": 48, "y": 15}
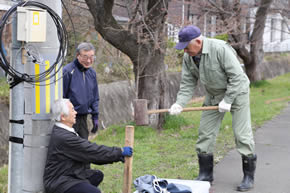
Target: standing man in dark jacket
{"x": 68, "y": 154}
{"x": 81, "y": 87}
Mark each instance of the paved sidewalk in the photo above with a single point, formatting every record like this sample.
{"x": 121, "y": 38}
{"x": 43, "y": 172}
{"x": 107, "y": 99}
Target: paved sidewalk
{"x": 273, "y": 160}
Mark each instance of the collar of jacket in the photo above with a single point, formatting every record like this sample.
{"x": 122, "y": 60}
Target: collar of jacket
{"x": 80, "y": 66}
{"x": 205, "y": 46}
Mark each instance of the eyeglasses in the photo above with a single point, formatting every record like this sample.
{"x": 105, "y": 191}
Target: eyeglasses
{"x": 85, "y": 57}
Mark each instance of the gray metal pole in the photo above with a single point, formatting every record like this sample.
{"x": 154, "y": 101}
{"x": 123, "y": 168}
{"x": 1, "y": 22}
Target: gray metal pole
{"x": 38, "y": 99}
{"x": 16, "y": 113}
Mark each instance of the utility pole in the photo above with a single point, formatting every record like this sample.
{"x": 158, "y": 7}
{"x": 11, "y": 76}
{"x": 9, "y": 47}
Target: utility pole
{"x": 31, "y": 103}
{"x": 16, "y": 116}
{"x": 38, "y": 99}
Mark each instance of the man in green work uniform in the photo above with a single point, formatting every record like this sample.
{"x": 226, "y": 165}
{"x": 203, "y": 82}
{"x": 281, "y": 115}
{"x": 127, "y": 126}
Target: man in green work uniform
{"x": 215, "y": 64}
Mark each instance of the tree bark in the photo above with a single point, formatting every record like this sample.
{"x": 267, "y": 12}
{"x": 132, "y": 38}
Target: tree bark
{"x": 144, "y": 41}
{"x": 152, "y": 85}
{"x": 256, "y": 40}
{"x": 254, "y": 57}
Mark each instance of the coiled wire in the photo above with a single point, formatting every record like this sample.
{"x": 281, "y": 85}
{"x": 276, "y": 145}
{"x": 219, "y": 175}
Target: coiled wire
{"x": 54, "y": 68}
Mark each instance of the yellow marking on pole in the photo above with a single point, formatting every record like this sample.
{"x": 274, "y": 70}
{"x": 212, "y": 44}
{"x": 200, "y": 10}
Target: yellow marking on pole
{"x": 35, "y": 18}
{"x": 37, "y": 90}
{"x": 56, "y": 84}
{"x": 47, "y": 88}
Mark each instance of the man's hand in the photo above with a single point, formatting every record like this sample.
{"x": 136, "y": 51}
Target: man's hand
{"x": 127, "y": 151}
{"x": 224, "y": 107}
{"x": 175, "y": 109}
{"x": 95, "y": 125}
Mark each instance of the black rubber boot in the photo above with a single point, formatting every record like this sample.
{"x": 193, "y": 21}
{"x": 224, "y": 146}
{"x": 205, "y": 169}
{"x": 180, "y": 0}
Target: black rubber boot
{"x": 205, "y": 162}
{"x": 249, "y": 167}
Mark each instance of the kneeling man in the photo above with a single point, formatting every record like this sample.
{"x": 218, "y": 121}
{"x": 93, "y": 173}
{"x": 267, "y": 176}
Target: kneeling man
{"x": 68, "y": 155}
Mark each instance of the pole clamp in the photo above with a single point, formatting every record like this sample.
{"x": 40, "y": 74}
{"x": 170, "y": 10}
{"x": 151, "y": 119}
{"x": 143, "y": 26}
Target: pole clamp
{"x": 17, "y": 121}
{"x": 16, "y": 140}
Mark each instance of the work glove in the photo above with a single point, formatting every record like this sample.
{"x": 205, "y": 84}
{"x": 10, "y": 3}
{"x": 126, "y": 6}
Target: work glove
{"x": 175, "y": 109}
{"x": 224, "y": 107}
{"x": 95, "y": 125}
{"x": 127, "y": 151}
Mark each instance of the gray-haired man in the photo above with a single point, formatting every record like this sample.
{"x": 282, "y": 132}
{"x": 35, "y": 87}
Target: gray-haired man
{"x": 68, "y": 155}
{"x": 215, "y": 64}
{"x": 80, "y": 85}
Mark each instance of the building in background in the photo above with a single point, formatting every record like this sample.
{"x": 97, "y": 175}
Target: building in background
{"x": 277, "y": 33}
{"x": 277, "y": 28}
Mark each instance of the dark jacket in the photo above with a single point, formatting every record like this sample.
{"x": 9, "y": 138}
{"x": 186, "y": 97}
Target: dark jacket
{"x": 67, "y": 157}
{"x": 80, "y": 85}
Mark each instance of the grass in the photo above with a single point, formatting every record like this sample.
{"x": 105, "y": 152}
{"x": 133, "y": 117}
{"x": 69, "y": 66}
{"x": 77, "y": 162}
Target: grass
{"x": 170, "y": 153}
{"x": 3, "y": 179}
{"x": 4, "y": 91}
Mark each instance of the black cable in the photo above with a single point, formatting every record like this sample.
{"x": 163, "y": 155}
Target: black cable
{"x": 62, "y": 37}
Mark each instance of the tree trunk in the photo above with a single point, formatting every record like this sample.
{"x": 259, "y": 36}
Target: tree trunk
{"x": 152, "y": 85}
{"x": 257, "y": 52}
{"x": 253, "y": 58}
{"x": 143, "y": 42}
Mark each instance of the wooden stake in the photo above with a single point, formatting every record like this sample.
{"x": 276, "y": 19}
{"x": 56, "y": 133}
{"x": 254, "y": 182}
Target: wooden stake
{"x": 129, "y": 141}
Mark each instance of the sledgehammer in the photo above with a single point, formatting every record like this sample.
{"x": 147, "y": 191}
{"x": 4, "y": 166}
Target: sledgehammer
{"x": 141, "y": 112}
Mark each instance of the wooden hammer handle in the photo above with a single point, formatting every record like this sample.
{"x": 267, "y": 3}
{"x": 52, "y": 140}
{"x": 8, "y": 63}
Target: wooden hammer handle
{"x": 185, "y": 109}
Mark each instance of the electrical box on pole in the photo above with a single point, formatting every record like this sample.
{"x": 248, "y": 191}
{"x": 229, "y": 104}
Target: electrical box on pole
{"x": 31, "y": 24}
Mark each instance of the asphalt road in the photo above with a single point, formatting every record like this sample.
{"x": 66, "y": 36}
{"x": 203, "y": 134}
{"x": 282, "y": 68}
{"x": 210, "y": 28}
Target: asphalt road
{"x": 273, "y": 160}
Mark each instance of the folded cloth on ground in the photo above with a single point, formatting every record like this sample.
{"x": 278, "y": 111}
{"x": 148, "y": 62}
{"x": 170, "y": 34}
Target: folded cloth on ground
{"x": 151, "y": 184}
{"x": 144, "y": 184}
{"x": 178, "y": 188}
{"x": 196, "y": 186}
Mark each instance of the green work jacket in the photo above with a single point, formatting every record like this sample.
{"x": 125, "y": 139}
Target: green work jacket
{"x": 219, "y": 71}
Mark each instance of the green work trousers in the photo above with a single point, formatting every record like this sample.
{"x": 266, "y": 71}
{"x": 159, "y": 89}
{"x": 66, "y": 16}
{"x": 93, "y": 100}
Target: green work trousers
{"x": 241, "y": 122}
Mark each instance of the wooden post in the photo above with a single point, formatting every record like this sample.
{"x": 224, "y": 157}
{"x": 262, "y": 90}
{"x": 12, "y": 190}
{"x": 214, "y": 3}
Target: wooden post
{"x": 129, "y": 141}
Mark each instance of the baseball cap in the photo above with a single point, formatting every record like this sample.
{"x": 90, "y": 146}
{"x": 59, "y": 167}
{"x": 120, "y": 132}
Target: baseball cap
{"x": 186, "y": 34}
